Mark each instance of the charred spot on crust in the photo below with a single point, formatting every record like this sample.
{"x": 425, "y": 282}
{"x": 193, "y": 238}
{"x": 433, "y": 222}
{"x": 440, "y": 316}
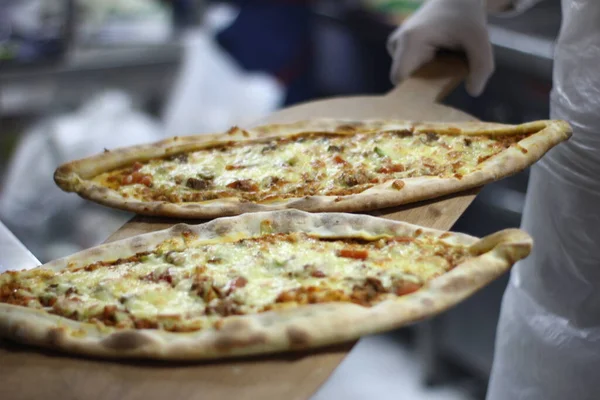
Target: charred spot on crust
{"x": 55, "y": 336}
{"x": 298, "y": 338}
{"x": 223, "y": 228}
{"x": 227, "y": 343}
{"x": 126, "y": 340}
{"x": 350, "y": 126}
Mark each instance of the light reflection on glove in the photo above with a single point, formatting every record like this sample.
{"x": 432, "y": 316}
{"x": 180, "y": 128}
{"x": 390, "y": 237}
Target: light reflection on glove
{"x": 444, "y": 24}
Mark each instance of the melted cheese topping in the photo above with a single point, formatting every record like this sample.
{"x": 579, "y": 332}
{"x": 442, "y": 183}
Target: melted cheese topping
{"x": 186, "y": 286}
{"x": 306, "y": 164}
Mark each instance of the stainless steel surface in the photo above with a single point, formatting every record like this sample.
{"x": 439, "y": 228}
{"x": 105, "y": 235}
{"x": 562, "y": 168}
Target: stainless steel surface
{"x": 13, "y": 254}
{"x": 526, "y": 42}
{"x": 101, "y": 58}
{"x": 145, "y": 72}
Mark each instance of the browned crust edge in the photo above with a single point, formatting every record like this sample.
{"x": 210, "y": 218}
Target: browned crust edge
{"x": 74, "y": 176}
{"x": 300, "y": 328}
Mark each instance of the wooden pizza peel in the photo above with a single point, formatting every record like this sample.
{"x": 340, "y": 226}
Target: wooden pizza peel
{"x": 33, "y": 374}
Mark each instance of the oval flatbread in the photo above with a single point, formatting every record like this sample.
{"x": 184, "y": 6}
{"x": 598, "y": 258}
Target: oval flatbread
{"x": 252, "y": 284}
{"x": 318, "y": 165}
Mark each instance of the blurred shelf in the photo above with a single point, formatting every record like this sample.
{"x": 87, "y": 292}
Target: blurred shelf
{"x": 99, "y": 58}
{"x": 144, "y": 71}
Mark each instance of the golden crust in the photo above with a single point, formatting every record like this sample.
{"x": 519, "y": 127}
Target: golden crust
{"x": 275, "y": 331}
{"x": 76, "y": 176}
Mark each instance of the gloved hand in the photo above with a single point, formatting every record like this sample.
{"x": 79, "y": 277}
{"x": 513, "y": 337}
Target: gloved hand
{"x": 444, "y": 24}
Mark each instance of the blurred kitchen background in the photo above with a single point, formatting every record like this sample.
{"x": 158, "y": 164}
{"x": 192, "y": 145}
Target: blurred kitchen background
{"x": 78, "y": 76}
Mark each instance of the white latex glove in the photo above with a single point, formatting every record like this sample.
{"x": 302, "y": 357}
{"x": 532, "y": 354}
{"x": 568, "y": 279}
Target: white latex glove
{"x": 444, "y": 24}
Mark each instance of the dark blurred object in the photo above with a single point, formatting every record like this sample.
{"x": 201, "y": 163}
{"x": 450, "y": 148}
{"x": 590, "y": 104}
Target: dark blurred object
{"x": 274, "y": 36}
{"x": 33, "y": 31}
{"x": 186, "y": 13}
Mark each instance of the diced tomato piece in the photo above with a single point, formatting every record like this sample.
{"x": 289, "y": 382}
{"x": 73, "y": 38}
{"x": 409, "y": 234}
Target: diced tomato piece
{"x": 317, "y": 274}
{"x": 356, "y": 254}
{"x": 137, "y": 177}
{"x": 234, "y": 167}
{"x": 391, "y": 168}
{"x": 146, "y": 180}
{"x": 166, "y": 276}
{"x": 137, "y": 166}
{"x": 338, "y": 159}
{"x": 127, "y": 180}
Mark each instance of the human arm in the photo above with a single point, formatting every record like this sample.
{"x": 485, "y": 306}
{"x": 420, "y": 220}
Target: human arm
{"x": 453, "y": 25}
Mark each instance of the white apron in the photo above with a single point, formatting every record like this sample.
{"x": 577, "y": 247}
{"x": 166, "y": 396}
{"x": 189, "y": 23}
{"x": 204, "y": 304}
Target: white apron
{"x": 548, "y": 337}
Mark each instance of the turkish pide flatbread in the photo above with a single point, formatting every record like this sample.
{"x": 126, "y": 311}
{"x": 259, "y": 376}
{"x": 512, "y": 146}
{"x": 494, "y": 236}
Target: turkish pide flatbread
{"x": 251, "y": 284}
{"x": 317, "y": 165}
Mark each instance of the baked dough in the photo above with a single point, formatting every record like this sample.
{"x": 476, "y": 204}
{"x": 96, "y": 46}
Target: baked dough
{"x": 299, "y": 326}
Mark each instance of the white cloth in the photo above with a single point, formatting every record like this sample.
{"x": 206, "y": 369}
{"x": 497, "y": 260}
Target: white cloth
{"x": 447, "y": 24}
{"x": 548, "y": 340}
